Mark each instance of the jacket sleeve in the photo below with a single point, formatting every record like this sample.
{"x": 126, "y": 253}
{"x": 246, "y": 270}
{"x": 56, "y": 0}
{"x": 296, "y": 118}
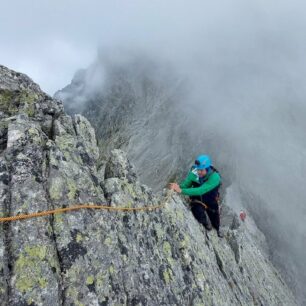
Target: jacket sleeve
{"x": 212, "y": 183}
{"x": 187, "y": 182}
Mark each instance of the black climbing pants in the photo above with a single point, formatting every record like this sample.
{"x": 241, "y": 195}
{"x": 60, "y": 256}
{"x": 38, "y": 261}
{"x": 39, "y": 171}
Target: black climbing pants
{"x": 213, "y": 213}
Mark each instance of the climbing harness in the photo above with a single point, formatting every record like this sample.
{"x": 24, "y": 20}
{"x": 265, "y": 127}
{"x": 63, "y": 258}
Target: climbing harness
{"x": 83, "y": 206}
{"x": 204, "y": 205}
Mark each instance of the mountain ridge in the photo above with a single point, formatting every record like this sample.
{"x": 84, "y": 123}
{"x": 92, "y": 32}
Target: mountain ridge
{"x": 50, "y": 160}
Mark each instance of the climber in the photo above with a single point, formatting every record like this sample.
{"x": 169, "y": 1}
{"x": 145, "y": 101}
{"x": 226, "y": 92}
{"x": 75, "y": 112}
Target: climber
{"x": 202, "y": 185}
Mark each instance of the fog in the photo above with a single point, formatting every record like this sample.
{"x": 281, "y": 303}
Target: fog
{"x": 244, "y": 67}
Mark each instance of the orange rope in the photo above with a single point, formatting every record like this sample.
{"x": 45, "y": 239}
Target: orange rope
{"x": 76, "y": 207}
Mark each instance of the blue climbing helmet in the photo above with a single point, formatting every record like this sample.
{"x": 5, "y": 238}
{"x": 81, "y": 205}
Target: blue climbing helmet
{"x": 202, "y": 162}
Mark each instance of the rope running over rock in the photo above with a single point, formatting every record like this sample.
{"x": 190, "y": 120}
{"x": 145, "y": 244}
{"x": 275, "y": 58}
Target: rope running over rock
{"x": 84, "y": 206}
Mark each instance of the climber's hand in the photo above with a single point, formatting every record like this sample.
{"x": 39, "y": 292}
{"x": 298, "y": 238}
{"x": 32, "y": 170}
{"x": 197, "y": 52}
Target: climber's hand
{"x": 175, "y": 187}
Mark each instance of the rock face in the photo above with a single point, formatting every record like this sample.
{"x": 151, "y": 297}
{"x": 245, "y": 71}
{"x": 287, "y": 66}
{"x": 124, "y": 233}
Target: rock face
{"x": 97, "y": 257}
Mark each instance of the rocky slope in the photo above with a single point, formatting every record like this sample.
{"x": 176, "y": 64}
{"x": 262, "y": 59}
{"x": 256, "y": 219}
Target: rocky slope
{"x": 88, "y": 257}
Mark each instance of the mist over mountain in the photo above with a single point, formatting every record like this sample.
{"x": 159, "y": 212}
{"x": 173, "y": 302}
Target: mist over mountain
{"x": 248, "y": 115}
{"x": 131, "y": 100}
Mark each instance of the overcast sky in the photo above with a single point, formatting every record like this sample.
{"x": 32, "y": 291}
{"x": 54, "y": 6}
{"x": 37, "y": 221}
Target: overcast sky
{"x": 50, "y": 40}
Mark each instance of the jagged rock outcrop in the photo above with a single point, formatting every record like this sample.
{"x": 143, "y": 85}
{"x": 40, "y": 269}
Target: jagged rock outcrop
{"x": 97, "y": 257}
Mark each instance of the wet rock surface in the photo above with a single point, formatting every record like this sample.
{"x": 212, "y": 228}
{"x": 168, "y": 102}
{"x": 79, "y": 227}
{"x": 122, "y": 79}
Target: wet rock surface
{"x": 97, "y": 257}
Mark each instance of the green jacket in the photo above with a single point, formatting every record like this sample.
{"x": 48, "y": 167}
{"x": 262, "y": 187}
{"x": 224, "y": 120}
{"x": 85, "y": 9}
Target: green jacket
{"x": 212, "y": 182}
